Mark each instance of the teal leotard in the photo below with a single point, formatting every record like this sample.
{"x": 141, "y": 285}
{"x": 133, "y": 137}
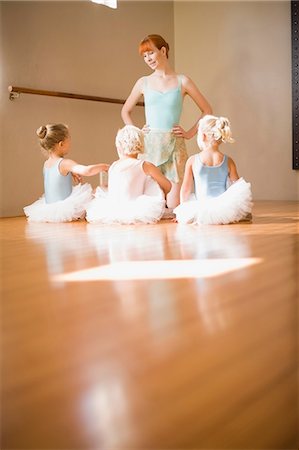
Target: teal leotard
{"x": 163, "y": 111}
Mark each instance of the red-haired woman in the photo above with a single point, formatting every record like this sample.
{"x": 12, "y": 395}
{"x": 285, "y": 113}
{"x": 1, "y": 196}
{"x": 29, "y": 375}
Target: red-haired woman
{"x": 164, "y": 91}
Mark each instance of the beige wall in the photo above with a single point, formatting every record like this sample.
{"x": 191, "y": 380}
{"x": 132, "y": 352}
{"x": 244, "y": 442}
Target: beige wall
{"x": 75, "y": 47}
{"x": 239, "y": 54}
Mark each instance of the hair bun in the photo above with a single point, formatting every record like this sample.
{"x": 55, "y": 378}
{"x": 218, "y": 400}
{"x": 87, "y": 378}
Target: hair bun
{"x": 42, "y": 132}
{"x": 223, "y": 130}
{"x": 222, "y": 122}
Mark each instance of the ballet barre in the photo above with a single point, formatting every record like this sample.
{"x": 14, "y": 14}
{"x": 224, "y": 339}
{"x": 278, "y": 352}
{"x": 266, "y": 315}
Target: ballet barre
{"x": 15, "y": 91}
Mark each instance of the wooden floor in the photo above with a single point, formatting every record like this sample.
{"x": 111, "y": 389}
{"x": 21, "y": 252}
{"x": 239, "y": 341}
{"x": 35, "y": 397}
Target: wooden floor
{"x": 151, "y": 337}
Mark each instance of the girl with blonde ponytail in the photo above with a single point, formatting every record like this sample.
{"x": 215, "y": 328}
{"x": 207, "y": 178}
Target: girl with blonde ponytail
{"x": 208, "y": 174}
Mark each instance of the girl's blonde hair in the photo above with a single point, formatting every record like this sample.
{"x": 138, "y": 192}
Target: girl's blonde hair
{"x": 129, "y": 140}
{"x": 215, "y": 128}
{"x": 51, "y": 134}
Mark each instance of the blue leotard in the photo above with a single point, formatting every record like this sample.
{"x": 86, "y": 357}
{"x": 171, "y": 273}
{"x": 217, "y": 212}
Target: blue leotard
{"x": 210, "y": 181}
{"x": 57, "y": 187}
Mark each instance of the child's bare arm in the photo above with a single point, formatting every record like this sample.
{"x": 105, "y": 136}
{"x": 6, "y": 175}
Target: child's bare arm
{"x": 153, "y": 171}
{"x": 188, "y": 182}
{"x": 232, "y": 171}
{"x": 68, "y": 165}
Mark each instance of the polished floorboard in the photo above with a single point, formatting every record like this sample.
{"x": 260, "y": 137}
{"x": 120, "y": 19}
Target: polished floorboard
{"x": 151, "y": 337}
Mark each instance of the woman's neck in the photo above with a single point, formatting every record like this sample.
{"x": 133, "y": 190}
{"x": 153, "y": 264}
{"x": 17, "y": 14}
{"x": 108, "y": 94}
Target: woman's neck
{"x": 164, "y": 72}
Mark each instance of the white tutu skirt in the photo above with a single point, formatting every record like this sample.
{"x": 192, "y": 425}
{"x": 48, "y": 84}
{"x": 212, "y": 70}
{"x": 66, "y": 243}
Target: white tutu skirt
{"x": 147, "y": 208}
{"x": 230, "y": 207}
{"x": 71, "y": 208}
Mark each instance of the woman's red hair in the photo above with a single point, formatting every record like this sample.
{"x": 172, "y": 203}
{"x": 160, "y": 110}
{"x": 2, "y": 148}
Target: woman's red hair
{"x": 157, "y": 40}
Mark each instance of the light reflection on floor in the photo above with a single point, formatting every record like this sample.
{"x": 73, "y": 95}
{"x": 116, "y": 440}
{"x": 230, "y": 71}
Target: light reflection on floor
{"x": 103, "y": 420}
{"x": 164, "y": 269}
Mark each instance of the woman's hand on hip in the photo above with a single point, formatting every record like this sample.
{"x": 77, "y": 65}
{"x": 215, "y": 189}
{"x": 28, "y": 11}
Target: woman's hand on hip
{"x": 178, "y": 131}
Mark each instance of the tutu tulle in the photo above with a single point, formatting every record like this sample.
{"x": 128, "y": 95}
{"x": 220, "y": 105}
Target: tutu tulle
{"x": 231, "y": 206}
{"x": 72, "y": 208}
{"x": 147, "y": 208}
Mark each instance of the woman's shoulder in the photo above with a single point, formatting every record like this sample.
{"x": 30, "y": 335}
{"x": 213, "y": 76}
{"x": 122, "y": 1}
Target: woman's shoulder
{"x": 141, "y": 83}
{"x": 184, "y": 78}
{"x": 187, "y": 83}
{"x": 142, "y": 80}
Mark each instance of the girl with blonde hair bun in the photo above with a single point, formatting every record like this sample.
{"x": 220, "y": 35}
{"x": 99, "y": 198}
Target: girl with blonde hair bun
{"x": 207, "y": 175}
{"x": 215, "y": 127}
{"x": 61, "y": 202}
{"x": 164, "y": 91}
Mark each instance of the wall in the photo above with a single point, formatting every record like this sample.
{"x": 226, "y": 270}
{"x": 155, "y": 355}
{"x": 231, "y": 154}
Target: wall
{"x": 239, "y": 55}
{"x": 77, "y": 47}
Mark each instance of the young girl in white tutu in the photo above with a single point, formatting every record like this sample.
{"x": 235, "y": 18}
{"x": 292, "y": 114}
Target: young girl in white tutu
{"x": 136, "y": 188}
{"x": 208, "y": 174}
{"x": 61, "y": 201}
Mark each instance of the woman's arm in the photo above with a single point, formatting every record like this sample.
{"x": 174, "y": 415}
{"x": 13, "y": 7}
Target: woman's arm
{"x": 68, "y": 165}
{"x": 189, "y": 87}
{"x": 131, "y": 102}
{"x": 232, "y": 171}
{"x": 153, "y": 171}
{"x": 188, "y": 181}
